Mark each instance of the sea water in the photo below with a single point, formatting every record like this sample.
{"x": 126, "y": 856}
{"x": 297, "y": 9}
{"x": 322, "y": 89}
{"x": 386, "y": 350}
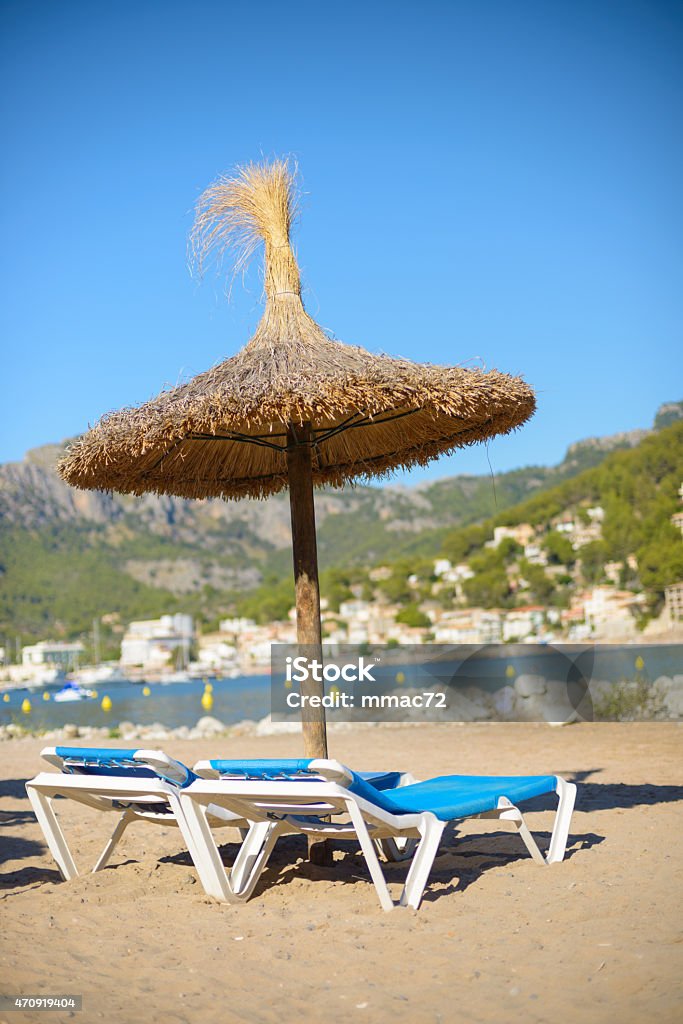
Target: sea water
{"x": 171, "y": 704}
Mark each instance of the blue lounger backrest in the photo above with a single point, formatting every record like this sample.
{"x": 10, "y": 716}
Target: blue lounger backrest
{"x": 113, "y": 761}
{"x": 293, "y": 768}
{"x": 263, "y": 768}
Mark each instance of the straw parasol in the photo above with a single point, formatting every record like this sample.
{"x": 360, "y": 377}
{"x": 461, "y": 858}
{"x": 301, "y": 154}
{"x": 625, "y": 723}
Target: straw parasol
{"x": 294, "y": 408}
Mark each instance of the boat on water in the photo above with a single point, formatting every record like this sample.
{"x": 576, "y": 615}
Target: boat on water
{"x": 72, "y": 691}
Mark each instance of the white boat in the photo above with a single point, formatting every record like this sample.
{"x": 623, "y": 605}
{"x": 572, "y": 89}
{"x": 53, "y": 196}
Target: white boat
{"x": 71, "y": 692}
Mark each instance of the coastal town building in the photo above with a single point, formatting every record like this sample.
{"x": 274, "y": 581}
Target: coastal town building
{"x": 610, "y": 612}
{"x": 521, "y": 534}
{"x": 442, "y": 566}
{"x": 535, "y": 554}
{"x": 155, "y": 643}
{"x": 235, "y": 626}
{"x": 673, "y": 597}
{"x": 579, "y": 531}
{"x": 469, "y": 626}
{"x": 215, "y": 653}
{"x": 55, "y": 653}
{"x": 522, "y": 623}
{"x": 381, "y": 572}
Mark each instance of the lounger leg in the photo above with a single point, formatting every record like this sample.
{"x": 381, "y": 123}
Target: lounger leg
{"x": 525, "y": 834}
{"x": 54, "y": 837}
{"x": 202, "y": 847}
{"x": 251, "y": 860}
{"x": 370, "y": 854}
{"x": 431, "y": 830}
{"x": 123, "y": 822}
{"x": 566, "y": 792}
{"x": 253, "y": 857}
{"x": 396, "y": 850}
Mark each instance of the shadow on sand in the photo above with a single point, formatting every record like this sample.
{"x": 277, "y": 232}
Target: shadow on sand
{"x": 14, "y": 789}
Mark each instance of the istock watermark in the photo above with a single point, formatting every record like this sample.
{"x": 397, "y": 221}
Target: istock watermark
{"x": 302, "y": 668}
{"x": 558, "y": 683}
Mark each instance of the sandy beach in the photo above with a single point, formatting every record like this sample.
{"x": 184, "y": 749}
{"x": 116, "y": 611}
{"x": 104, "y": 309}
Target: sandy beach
{"x": 596, "y": 938}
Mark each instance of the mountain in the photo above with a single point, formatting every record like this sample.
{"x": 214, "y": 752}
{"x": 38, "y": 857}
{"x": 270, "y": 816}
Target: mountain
{"x": 69, "y": 556}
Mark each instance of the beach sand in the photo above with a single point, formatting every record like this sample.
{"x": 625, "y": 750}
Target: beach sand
{"x": 498, "y": 938}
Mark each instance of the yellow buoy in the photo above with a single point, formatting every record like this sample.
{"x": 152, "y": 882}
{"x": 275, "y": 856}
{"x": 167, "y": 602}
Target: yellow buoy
{"x": 46, "y": 695}
{"x": 288, "y": 684}
{"x": 640, "y": 664}
{"x": 94, "y": 693}
{"x": 510, "y": 671}
{"x": 26, "y": 706}
{"x": 146, "y": 691}
{"x": 400, "y": 677}
{"x": 208, "y": 687}
{"x": 207, "y": 701}
{"x": 106, "y": 703}
{"x": 5, "y": 697}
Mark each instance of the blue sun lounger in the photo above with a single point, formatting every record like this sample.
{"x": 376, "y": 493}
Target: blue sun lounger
{"x": 324, "y": 798}
{"x": 136, "y": 785}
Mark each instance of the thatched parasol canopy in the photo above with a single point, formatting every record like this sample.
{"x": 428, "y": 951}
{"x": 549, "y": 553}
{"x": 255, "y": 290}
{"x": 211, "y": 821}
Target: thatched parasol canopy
{"x": 293, "y": 408}
{"x": 224, "y": 433}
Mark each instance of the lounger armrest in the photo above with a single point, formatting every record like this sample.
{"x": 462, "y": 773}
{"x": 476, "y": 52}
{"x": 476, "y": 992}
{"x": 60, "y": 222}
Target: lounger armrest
{"x": 407, "y": 779}
{"x": 332, "y": 770}
{"x": 50, "y": 755}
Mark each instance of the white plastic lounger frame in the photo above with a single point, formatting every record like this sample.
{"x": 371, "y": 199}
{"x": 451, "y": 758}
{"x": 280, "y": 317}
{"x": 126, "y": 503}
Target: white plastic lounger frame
{"x": 284, "y": 806}
{"x": 151, "y": 799}
{"x": 392, "y": 849}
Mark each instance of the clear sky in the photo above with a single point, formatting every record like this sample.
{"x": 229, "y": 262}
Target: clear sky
{"x": 495, "y": 183}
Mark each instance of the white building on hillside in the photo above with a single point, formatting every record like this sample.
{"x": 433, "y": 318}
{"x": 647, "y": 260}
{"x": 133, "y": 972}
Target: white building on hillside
{"x": 521, "y": 534}
{"x": 674, "y": 602}
{"x": 235, "y": 626}
{"x": 609, "y": 611}
{"x": 154, "y": 643}
{"x": 56, "y": 653}
{"x": 356, "y": 610}
{"x": 215, "y": 652}
{"x": 523, "y": 623}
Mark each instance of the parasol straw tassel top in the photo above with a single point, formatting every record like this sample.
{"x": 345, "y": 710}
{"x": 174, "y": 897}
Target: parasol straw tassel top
{"x": 225, "y": 432}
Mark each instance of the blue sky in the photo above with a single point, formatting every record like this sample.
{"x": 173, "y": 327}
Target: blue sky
{"x": 494, "y": 183}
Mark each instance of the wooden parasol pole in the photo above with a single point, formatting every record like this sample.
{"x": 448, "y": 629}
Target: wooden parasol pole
{"x": 307, "y": 587}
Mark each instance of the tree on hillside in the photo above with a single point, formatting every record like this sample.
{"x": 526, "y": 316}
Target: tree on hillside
{"x": 412, "y": 616}
{"x": 460, "y": 543}
{"x": 559, "y": 549}
{"x": 660, "y": 562}
{"x": 489, "y": 589}
{"x": 593, "y": 557}
{"x": 542, "y": 589}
